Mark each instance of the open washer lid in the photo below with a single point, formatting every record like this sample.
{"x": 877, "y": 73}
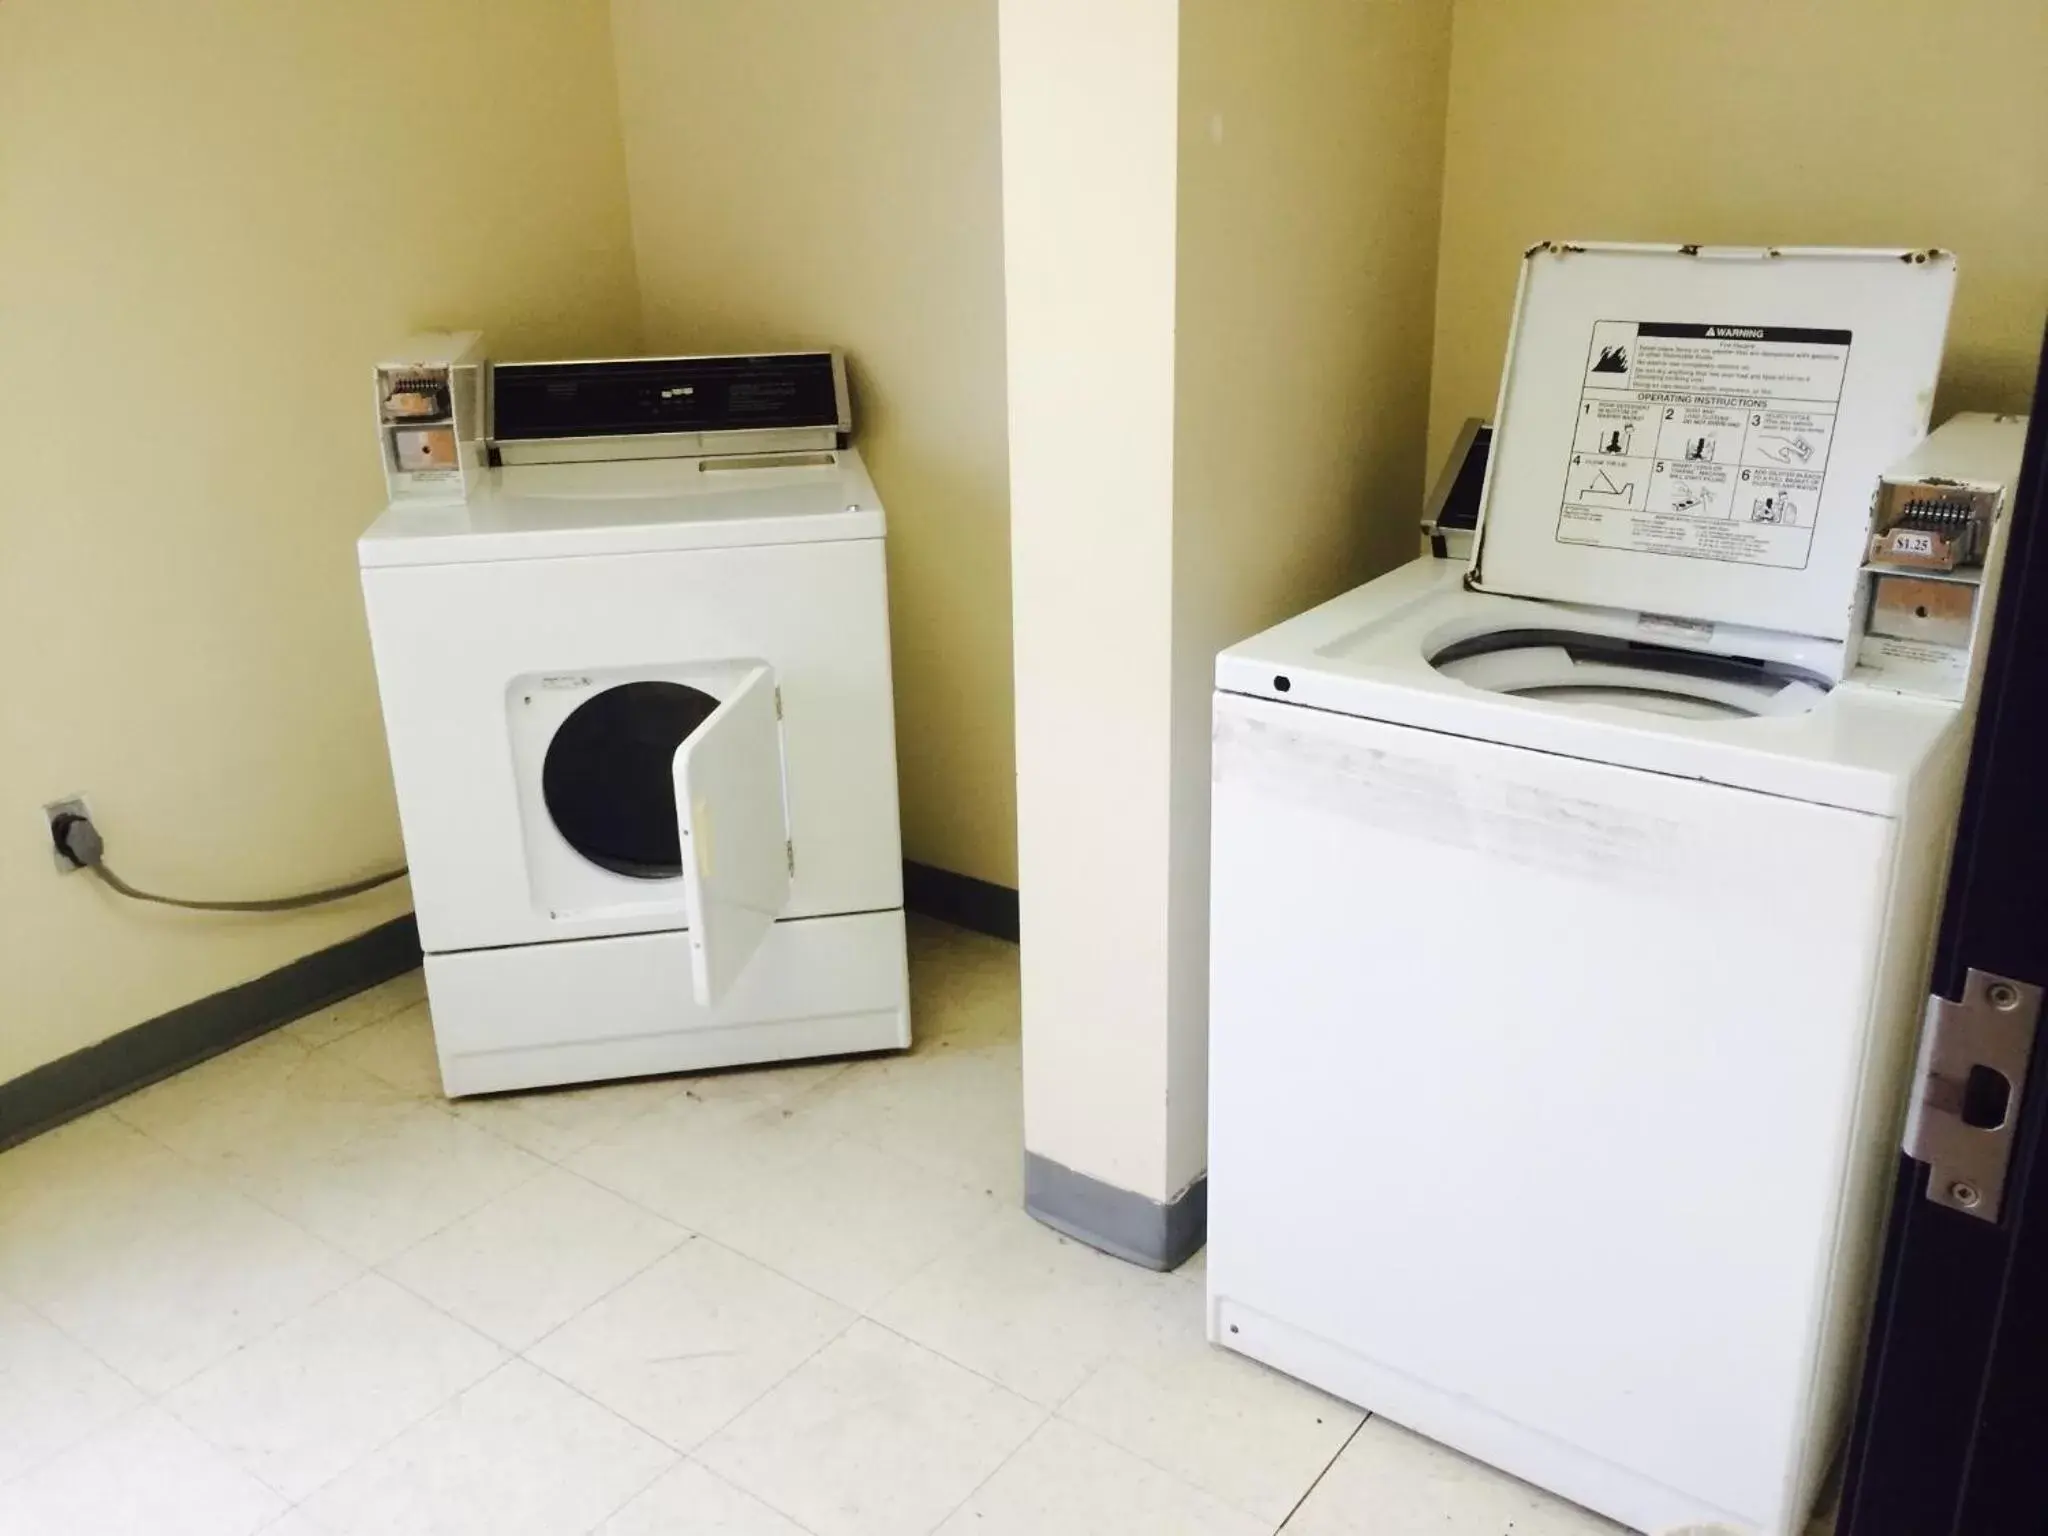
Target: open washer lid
{"x": 1697, "y": 431}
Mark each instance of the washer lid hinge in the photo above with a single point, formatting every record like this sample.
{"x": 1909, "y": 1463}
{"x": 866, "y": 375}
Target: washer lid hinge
{"x": 789, "y": 853}
{"x": 1966, "y": 1091}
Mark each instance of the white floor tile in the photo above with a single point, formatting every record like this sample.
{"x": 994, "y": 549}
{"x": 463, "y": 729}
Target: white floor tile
{"x": 146, "y": 1472}
{"x": 398, "y": 1050}
{"x": 1066, "y": 1482}
{"x": 268, "y": 1100}
{"x": 77, "y": 1187}
{"x": 402, "y": 1179}
{"x": 837, "y": 1215}
{"x": 686, "y": 1344}
{"x": 963, "y": 985}
{"x": 132, "y": 1240}
{"x": 1024, "y": 1306}
{"x": 1389, "y": 1482}
{"x": 518, "y": 1454}
{"x": 952, "y": 1108}
{"x": 693, "y": 1502}
{"x": 776, "y": 1084}
{"x": 52, "y": 1393}
{"x": 1217, "y": 1420}
{"x": 559, "y": 1122}
{"x": 681, "y": 1158}
{"x": 352, "y": 1013}
{"x": 874, "y": 1436}
{"x": 534, "y": 1257}
{"x": 162, "y": 1287}
{"x": 307, "y": 1401}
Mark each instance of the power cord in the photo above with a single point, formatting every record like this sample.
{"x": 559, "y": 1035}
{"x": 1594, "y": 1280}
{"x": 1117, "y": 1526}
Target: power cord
{"x": 79, "y": 841}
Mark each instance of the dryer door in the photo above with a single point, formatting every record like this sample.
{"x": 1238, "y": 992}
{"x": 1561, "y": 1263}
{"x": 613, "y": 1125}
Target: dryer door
{"x": 737, "y": 858}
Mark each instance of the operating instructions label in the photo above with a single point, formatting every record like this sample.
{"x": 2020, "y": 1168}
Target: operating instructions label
{"x": 1704, "y": 441}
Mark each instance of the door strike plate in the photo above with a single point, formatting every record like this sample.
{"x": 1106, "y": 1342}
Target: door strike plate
{"x": 1966, "y": 1092}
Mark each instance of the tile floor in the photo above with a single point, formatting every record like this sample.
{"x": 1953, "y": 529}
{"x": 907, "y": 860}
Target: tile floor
{"x": 292, "y": 1291}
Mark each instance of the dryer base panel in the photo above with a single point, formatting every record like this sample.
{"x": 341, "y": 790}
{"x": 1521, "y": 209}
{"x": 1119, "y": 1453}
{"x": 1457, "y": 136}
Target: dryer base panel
{"x": 588, "y": 1010}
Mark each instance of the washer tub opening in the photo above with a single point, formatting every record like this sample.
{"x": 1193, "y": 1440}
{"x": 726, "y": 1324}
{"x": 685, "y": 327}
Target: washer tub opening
{"x": 1566, "y": 667}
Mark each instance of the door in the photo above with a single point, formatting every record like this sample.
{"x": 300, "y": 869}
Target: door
{"x": 1951, "y": 1428}
{"x": 734, "y": 831}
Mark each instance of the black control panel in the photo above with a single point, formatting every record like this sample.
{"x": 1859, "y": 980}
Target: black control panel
{"x": 1461, "y": 506}
{"x": 647, "y": 395}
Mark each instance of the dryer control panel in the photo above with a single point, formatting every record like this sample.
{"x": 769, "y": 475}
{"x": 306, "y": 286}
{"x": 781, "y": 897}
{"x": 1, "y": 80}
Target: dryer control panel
{"x": 649, "y": 407}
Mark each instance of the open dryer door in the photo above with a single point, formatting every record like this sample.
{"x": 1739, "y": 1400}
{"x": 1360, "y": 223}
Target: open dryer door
{"x": 735, "y": 832}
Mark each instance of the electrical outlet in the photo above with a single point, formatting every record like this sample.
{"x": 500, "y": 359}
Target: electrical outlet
{"x": 74, "y": 806}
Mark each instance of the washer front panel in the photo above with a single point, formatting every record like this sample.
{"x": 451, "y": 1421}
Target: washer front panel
{"x": 1534, "y": 1082}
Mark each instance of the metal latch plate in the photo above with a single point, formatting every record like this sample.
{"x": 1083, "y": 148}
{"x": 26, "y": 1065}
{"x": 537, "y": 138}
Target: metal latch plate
{"x": 1961, "y": 1120}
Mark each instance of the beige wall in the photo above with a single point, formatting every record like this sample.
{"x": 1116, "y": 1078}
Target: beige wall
{"x": 1311, "y": 171}
{"x": 212, "y": 217}
{"x": 1857, "y": 122}
{"x": 813, "y": 174}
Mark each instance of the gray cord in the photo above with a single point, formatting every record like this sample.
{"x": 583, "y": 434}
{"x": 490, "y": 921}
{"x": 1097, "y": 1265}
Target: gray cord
{"x": 81, "y": 843}
{"x": 274, "y": 904}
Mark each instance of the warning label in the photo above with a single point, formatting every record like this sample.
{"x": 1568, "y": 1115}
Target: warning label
{"x": 1708, "y": 441}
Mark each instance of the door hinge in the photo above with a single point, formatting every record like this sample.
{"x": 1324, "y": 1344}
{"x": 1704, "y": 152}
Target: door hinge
{"x": 778, "y": 703}
{"x": 789, "y": 853}
{"x": 1966, "y": 1091}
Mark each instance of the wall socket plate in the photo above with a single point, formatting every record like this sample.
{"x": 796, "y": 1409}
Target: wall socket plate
{"x": 73, "y": 805}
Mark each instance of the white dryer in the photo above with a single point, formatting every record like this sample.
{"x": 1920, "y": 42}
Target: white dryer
{"x": 637, "y": 695}
{"x": 1570, "y": 911}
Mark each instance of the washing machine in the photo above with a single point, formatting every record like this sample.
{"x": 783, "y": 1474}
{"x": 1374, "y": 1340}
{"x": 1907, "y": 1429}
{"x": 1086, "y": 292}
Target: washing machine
{"x": 636, "y": 687}
{"x": 1571, "y": 906}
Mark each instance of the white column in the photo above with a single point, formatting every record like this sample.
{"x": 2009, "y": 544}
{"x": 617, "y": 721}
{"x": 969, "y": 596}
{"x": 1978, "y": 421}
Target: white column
{"x": 1220, "y": 228}
{"x": 1089, "y": 121}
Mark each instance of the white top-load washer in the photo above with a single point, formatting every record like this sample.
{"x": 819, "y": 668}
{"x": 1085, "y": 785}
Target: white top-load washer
{"x": 1570, "y": 910}
{"x": 637, "y": 693}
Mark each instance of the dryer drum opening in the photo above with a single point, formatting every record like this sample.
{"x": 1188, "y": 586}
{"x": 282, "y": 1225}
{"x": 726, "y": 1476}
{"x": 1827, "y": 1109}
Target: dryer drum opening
{"x": 609, "y": 777}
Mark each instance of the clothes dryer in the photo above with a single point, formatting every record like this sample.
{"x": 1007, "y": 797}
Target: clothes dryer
{"x": 637, "y": 695}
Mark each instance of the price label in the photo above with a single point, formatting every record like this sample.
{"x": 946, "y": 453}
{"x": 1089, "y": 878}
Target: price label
{"x": 1908, "y": 543}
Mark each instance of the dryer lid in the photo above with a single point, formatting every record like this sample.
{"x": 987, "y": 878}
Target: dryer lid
{"x": 1697, "y": 431}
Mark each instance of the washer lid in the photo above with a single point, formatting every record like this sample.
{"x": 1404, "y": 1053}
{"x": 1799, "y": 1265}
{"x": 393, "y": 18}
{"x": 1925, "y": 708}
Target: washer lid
{"x": 635, "y": 506}
{"x": 1697, "y": 431}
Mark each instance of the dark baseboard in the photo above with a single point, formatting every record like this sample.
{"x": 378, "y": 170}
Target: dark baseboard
{"x": 1158, "y": 1235}
{"x": 63, "y": 1089}
{"x": 961, "y": 900}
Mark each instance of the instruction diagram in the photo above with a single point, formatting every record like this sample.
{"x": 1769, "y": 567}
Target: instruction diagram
{"x": 1600, "y": 483}
{"x": 1775, "y": 508}
{"x": 1691, "y": 498}
{"x": 1706, "y": 440}
{"x": 1786, "y": 450}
